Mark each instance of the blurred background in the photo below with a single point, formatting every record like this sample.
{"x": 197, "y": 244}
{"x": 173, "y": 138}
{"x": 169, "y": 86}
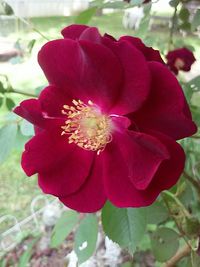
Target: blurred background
{"x": 25, "y": 25}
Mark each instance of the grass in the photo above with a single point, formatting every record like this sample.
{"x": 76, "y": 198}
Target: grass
{"x": 17, "y": 191}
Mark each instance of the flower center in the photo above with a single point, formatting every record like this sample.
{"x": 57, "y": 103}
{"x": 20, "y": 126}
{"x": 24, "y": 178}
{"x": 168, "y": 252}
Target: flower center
{"x": 179, "y": 63}
{"x": 87, "y": 126}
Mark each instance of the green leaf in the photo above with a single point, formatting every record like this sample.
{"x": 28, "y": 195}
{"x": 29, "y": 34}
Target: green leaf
{"x": 20, "y": 141}
{"x": 195, "y": 84}
{"x": 137, "y": 2}
{"x": 85, "y": 16}
{"x": 16, "y": 60}
{"x": 196, "y": 114}
{"x": 186, "y": 26}
{"x": 174, "y": 3}
{"x": 188, "y": 92}
{"x": 165, "y": 243}
{"x": 7, "y": 140}
{"x": 10, "y": 104}
{"x": 124, "y": 226}
{"x": 39, "y": 89}
{"x": 184, "y": 14}
{"x": 3, "y": 263}
{"x": 196, "y": 20}
{"x": 31, "y": 45}
{"x": 26, "y": 128}
{"x": 115, "y": 4}
{"x": 86, "y": 238}
{"x": 63, "y": 227}
{"x": 156, "y": 213}
{"x": 144, "y": 24}
{"x": 195, "y": 259}
{"x": 1, "y": 101}
{"x": 7, "y": 9}
{"x": 2, "y": 89}
{"x": 26, "y": 256}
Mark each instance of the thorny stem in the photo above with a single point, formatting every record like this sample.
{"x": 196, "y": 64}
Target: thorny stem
{"x": 172, "y": 196}
{"x": 181, "y": 253}
{"x": 172, "y": 29}
{"x": 182, "y": 234}
{"x": 194, "y": 182}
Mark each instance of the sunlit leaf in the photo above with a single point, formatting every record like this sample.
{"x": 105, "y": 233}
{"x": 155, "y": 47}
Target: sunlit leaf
{"x": 2, "y": 89}
{"x": 31, "y": 45}
{"x": 26, "y": 256}
{"x": 85, "y": 16}
{"x": 165, "y": 243}
{"x": 7, "y": 140}
{"x": 86, "y": 238}
{"x": 124, "y": 226}
{"x": 26, "y": 128}
{"x": 184, "y": 14}
{"x": 196, "y": 20}
{"x": 156, "y": 213}
{"x": 10, "y": 104}
{"x": 1, "y": 101}
{"x": 63, "y": 227}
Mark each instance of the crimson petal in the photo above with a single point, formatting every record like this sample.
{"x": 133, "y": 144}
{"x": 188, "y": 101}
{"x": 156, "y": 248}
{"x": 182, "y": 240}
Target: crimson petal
{"x": 73, "y": 31}
{"x": 52, "y": 100}
{"x": 119, "y": 187}
{"x": 91, "y": 34}
{"x": 142, "y": 155}
{"x": 136, "y": 77}
{"x": 149, "y": 53}
{"x": 166, "y": 110}
{"x": 91, "y": 196}
{"x": 31, "y": 110}
{"x": 60, "y": 173}
{"x": 83, "y": 70}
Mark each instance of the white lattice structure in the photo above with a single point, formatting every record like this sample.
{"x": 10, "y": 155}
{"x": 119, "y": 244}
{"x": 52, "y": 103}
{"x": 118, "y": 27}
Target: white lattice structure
{"x": 46, "y": 215}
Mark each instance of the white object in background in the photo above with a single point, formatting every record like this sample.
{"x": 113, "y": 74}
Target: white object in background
{"x": 71, "y": 259}
{"x": 47, "y": 8}
{"x": 80, "y": 5}
{"x": 51, "y": 214}
{"x": 132, "y": 18}
{"x": 112, "y": 254}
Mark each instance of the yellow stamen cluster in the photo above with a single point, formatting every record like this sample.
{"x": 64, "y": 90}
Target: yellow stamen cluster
{"x": 87, "y": 126}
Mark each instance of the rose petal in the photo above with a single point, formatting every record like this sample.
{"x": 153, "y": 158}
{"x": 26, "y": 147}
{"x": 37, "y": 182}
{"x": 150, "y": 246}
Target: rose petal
{"x": 91, "y": 196}
{"x": 60, "y": 173}
{"x": 84, "y": 70}
{"x": 73, "y": 31}
{"x": 52, "y": 100}
{"x": 166, "y": 110}
{"x": 91, "y": 34}
{"x": 171, "y": 169}
{"x": 121, "y": 190}
{"x": 136, "y": 77}
{"x": 149, "y": 53}
{"x": 143, "y": 155}
{"x": 31, "y": 110}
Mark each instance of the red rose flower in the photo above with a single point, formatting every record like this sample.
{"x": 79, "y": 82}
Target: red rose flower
{"x": 180, "y": 59}
{"x": 106, "y": 126}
